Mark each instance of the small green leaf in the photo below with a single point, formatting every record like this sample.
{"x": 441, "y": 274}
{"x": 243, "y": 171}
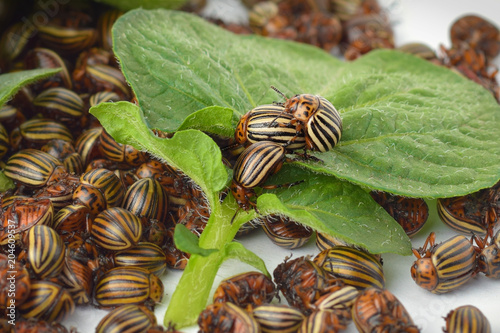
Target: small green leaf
{"x": 5, "y": 182}
{"x": 192, "y": 151}
{"x": 186, "y": 241}
{"x": 147, "y": 4}
{"x": 235, "y": 250}
{"x": 339, "y": 208}
{"x": 410, "y": 127}
{"x": 10, "y": 83}
{"x": 213, "y": 119}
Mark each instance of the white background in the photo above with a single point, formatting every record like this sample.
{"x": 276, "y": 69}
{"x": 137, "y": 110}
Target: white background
{"x": 424, "y": 21}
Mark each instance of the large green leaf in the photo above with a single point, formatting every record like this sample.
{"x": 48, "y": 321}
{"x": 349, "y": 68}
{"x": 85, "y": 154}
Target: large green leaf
{"x": 10, "y": 83}
{"x": 410, "y": 127}
{"x": 339, "y": 208}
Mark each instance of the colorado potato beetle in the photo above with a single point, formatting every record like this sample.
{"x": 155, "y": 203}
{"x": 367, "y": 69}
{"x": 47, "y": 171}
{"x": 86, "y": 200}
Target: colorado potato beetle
{"x": 302, "y": 282}
{"x": 467, "y": 319}
{"x": 252, "y": 288}
{"x": 226, "y": 318}
{"x": 269, "y": 123}
{"x": 378, "y": 310}
{"x": 77, "y": 278}
{"x": 257, "y": 162}
{"x": 285, "y": 232}
{"x": 317, "y": 117}
{"x": 116, "y": 229}
{"x": 146, "y": 198}
{"x": 441, "y": 268}
{"x": 16, "y": 277}
{"x": 128, "y": 285}
{"x": 46, "y": 251}
{"x": 320, "y": 321}
{"x": 274, "y": 318}
{"x": 127, "y": 318}
{"x": 145, "y": 255}
{"x": 488, "y": 260}
{"x": 354, "y": 267}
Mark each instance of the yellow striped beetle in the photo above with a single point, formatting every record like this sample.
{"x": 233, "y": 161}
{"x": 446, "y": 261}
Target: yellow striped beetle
{"x": 128, "y": 285}
{"x": 37, "y": 132}
{"x": 354, "y": 267}
{"x": 317, "y": 117}
{"x": 474, "y": 213}
{"x": 4, "y": 141}
{"x": 285, "y": 232}
{"x": 321, "y": 321}
{"x": 145, "y": 255}
{"x": 269, "y": 123}
{"x": 247, "y": 289}
{"x": 274, "y": 318}
{"x": 116, "y": 229}
{"x": 257, "y": 162}
{"x": 61, "y": 104}
{"x": 444, "y": 267}
{"x": 127, "y": 318}
{"x": 225, "y": 318}
{"x": 341, "y": 299}
{"x": 378, "y": 310}
{"x": 467, "y": 319}
{"x": 48, "y": 301}
{"x": 146, "y": 198}
{"x": 78, "y": 280}
{"x": 35, "y": 168}
{"x": 87, "y": 145}
{"x": 46, "y": 251}
{"x": 104, "y": 25}
{"x": 67, "y": 40}
{"x": 117, "y": 152}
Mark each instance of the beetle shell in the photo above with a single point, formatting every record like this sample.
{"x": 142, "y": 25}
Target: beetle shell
{"x": 488, "y": 260}
{"x": 4, "y": 141}
{"x": 87, "y": 145}
{"x": 36, "y": 132}
{"x": 342, "y": 298}
{"x": 274, "y": 318}
{"x": 226, "y": 318}
{"x": 410, "y": 213}
{"x": 467, "y": 319}
{"x": 269, "y": 123}
{"x": 67, "y": 40}
{"x": 128, "y": 285}
{"x": 252, "y": 288}
{"x": 45, "y": 58}
{"x": 147, "y": 198}
{"x": 116, "y": 229}
{"x": 302, "y": 282}
{"x": 60, "y": 103}
{"x": 33, "y": 325}
{"x": 324, "y": 129}
{"x": 285, "y": 232}
{"x": 145, "y": 255}
{"x": 25, "y": 213}
{"x": 354, "y": 267}
{"x": 476, "y": 32}
{"x": 253, "y": 167}
{"x": 46, "y": 251}
{"x": 321, "y": 321}
{"x": 120, "y": 153}
{"x": 34, "y": 168}
{"x": 129, "y": 318}
{"x": 446, "y": 266}
{"x": 17, "y": 275}
{"x": 378, "y": 310}
{"x": 78, "y": 280}
{"x": 47, "y": 301}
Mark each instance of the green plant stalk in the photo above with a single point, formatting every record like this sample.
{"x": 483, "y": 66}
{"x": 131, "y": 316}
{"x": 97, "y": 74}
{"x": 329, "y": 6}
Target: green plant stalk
{"x": 191, "y": 294}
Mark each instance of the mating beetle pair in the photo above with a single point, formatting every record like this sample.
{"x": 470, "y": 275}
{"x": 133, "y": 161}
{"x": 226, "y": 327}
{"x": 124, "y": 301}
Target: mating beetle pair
{"x": 269, "y": 131}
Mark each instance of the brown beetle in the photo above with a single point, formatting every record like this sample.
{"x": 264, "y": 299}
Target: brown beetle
{"x": 226, "y": 318}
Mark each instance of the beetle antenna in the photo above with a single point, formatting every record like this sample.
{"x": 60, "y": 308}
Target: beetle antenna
{"x": 279, "y": 92}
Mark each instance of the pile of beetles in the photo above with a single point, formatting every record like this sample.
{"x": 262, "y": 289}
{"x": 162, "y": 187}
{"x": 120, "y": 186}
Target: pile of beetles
{"x": 90, "y": 221}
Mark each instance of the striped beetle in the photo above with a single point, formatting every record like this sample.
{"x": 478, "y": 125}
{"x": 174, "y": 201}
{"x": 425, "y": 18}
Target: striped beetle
{"x": 285, "y": 232}
{"x": 146, "y": 198}
{"x": 47, "y": 301}
{"x": 46, "y": 251}
{"x": 274, "y": 318}
{"x": 128, "y": 285}
{"x": 320, "y": 321}
{"x": 77, "y": 278}
{"x": 19, "y": 278}
{"x": 37, "y": 132}
{"x": 127, "y": 318}
{"x": 145, "y": 255}
{"x": 467, "y": 319}
{"x": 269, "y": 123}
{"x": 247, "y": 289}
{"x": 226, "y": 318}
{"x": 441, "y": 268}
{"x": 120, "y": 153}
{"x": 317, "y": 117}
{"x": 116, "y": 229}
{"x": 378, "y": 310}
{"x": 473, "y": 213}
{"x": 60, "y": 103}
{"x": 257, "y": 162}
{"x": 488, "y": 260}
{"x": 354, "y": 267}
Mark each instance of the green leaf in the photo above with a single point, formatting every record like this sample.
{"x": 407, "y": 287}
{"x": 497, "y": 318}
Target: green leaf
{"x": 410, "y": 127}
{"x": 339, "y": 208}
{"x": 235, "y": 250}
{"x": 147, "y": 4}
{"x": 186, "y": 241}
{"x": 213, "y": 119}
{"x": 5, "y": 182}
{"x": 195, "y": 153}
{"x": 10, "y": 83}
